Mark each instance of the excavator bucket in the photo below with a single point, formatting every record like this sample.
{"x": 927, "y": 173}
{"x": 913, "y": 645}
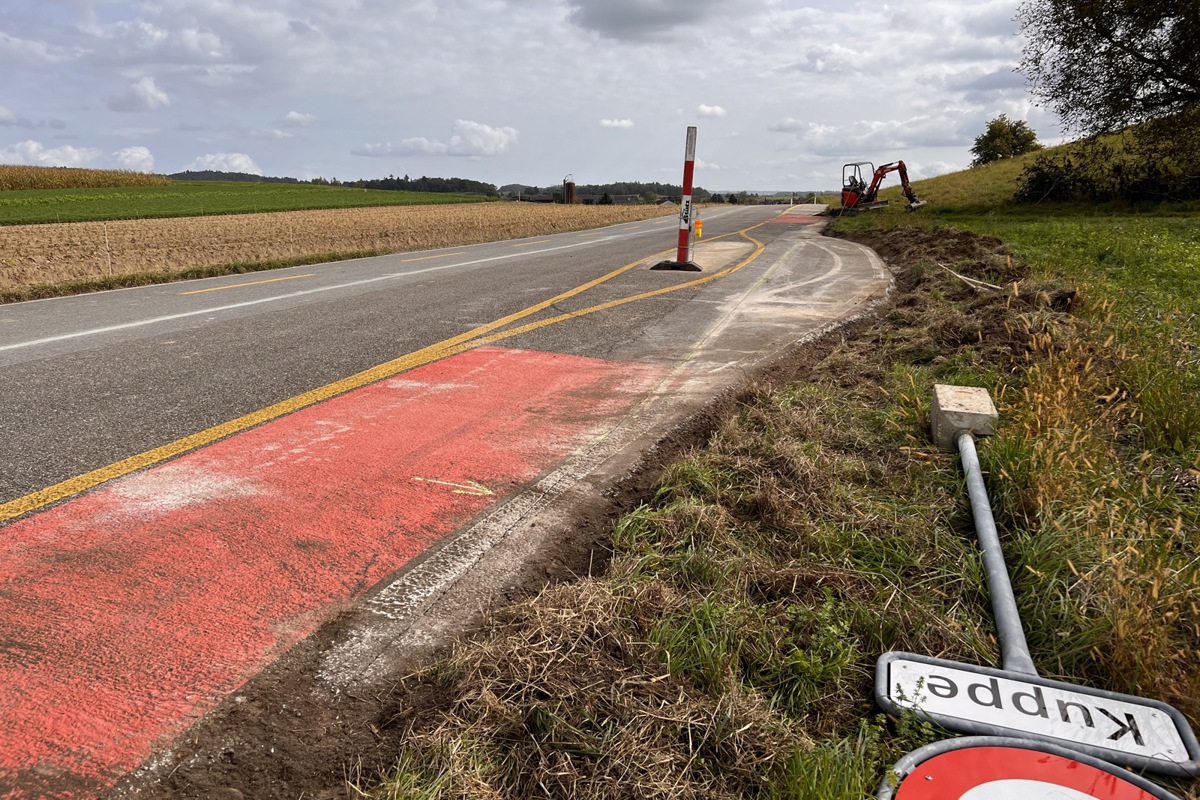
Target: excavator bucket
{"x": 915, "y": 204}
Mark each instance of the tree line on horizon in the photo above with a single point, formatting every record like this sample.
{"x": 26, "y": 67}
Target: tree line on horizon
{"x": 390, "y": 183}
{"x": 645, "y": 191}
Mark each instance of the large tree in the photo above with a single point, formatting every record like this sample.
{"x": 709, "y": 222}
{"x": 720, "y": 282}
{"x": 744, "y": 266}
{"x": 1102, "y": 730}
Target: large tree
{"x": 1106, "y": 64}
{"x": 1004, "y": 138}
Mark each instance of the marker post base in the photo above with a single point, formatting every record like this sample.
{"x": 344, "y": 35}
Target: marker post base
{"x": 681, "y": 266}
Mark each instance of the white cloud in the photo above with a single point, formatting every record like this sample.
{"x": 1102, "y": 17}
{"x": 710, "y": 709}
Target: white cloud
{"x": 834, "y": 82}
{"x": 35, "y": 154}
{"x": 947, "y": 129}
{"x": 788, "y": 125}
{"x": 711, "y": 111}
{"x": 137, "y": 158}
{"x": 10, "y": 119}
{"x": 469, "y": 139}
{"x": 919, "y": 169}
{"x": 143, "y": 95}
{"x": 225, "y": 162}
{"x": 823, "y": 59}
{"x": 295, "y": 119}
{"x": 26, "y": 51}
{"x": 475, "y": 138}
{"x": 701, "y": 164}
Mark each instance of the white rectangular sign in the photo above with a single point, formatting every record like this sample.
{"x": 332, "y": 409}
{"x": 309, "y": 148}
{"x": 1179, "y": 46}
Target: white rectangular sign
{"x": 983, "y": 700}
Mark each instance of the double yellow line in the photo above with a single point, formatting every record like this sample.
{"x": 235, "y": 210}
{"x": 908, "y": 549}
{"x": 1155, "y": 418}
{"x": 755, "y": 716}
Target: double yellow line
{"x": 477, "y": 337}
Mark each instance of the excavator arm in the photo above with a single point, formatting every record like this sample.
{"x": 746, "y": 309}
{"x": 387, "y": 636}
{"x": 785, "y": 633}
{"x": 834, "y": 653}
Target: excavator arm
{"x": 914, "y": 202}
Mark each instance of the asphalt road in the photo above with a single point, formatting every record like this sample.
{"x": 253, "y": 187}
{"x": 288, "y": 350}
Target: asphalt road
{"x": 94, "y": 379}
{"x": 195, "y": 476}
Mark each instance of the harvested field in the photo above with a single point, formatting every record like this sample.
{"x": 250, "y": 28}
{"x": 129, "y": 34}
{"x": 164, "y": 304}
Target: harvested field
{"x": 39, "y": 255}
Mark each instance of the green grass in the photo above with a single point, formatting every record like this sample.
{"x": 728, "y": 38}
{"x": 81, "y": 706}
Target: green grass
{"x": 1138, "y": 268}
{"x": 197, "y": 198}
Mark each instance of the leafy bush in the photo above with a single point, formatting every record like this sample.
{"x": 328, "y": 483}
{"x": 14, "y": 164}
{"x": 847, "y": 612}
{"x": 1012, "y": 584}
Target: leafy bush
{"x": 1004, "y": 138}
{"x": 1155, "y": 162}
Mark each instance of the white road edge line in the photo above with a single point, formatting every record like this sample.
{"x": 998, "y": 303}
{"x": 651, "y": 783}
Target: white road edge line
{"x": 232, "y": 306}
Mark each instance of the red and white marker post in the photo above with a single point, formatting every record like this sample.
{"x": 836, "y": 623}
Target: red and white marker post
{"x": 683, "y": 259}
{"x": 685, "y": 205}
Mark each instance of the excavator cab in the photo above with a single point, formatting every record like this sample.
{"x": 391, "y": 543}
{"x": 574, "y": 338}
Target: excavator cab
{"x": 854, "y": 186}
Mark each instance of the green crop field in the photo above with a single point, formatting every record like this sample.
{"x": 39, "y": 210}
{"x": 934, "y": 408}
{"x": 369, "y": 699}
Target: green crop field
{"x": 197, "y": 198}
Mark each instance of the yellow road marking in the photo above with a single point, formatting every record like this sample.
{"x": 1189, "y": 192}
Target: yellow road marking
{"x": 532, "y": 326}
{"x": 251, "y": 283}
{"x": 434, "y": 352}
{"x": 469, "y": 340}
{"x": 531, "y": 244}
{"x": 426, "y": 258}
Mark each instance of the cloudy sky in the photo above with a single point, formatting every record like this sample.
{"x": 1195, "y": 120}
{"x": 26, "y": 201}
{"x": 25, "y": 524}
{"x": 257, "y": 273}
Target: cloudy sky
{"x": 509, "y": 91}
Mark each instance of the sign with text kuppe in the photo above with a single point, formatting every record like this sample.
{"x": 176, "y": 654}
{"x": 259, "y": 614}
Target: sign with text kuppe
{"x": 1120, "y": 728}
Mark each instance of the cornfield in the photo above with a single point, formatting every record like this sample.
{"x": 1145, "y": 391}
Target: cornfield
{"x": 14, "y": 178}
{"x": 32, "y": 255}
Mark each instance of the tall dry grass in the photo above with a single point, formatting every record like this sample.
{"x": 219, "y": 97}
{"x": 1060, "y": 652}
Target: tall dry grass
{"x": 33, "y": 255}
{"x": 15, "y": 177}
{"x": 1113, "y": 547}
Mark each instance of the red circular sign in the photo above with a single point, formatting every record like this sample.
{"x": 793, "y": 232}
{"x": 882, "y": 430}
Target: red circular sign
{"x": 1012, "y": 773}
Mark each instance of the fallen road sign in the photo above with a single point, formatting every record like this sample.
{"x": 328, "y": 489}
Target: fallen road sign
{"x": 1002, "y": 768}
{"x": 1127, "y": 730}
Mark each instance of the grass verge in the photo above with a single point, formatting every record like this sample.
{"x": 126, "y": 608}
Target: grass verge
{"x": 729, "y": 650}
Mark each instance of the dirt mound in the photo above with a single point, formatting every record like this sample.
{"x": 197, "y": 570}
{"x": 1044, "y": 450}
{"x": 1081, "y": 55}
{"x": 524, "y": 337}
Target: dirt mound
{"x": 994, "y": 308}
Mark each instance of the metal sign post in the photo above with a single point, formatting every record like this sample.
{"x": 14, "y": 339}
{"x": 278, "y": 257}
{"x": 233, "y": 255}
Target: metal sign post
{"x": 683, "y": 259}
{"x": 1015, "y": 701}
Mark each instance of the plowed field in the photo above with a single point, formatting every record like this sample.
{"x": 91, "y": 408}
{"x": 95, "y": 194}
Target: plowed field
{"x": 48, "y": 254}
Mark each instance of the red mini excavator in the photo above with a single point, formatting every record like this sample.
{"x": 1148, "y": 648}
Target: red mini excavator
{"x": 858, "y": 196}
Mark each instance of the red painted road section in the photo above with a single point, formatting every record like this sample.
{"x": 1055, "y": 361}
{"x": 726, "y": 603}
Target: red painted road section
{"x": 797, "y": 219}
{"x": 129, "y": 612}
